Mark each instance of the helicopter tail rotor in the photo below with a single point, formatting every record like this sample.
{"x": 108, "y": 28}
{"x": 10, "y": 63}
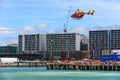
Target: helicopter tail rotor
{"x": 92, "y": 12}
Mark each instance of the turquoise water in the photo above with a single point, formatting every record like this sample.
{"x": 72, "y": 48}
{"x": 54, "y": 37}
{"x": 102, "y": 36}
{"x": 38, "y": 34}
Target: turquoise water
{"x": 40, "y": 73}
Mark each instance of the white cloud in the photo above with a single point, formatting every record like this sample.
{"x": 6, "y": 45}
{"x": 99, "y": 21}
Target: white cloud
{"x": 110, "y": 27}
{"x": 8, "y": 40}
{"x": 5, "y": 30}
{"x": 26, "y": 29}
{"x": 29, "y": 28}
{"x": 79, "y": 29}
{"x": 42, "y": 26}
{"x": 50, "y": 31}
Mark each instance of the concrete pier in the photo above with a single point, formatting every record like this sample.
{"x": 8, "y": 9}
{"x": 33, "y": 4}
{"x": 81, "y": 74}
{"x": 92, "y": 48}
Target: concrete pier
{"x": 24, "y": 64}
{"x": 58, "y": 66}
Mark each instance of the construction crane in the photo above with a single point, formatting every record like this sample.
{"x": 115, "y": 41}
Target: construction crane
{"x": 67, "y": 21}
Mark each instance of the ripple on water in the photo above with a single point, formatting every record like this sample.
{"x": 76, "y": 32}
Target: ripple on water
{"x": 38, "y": 73}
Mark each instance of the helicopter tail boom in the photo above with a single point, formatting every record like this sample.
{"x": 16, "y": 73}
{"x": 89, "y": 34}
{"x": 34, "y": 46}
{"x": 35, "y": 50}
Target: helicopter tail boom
{"x": 90, "y": 12}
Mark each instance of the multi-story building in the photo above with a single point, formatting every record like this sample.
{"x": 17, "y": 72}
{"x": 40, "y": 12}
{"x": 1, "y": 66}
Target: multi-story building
{"x": 84, "y": 43}
{"x": 105, "y": 39}
{"x": 62, "y": 46}
{"x": 9, "y": 49}
{"x": 52, "y": 42}
{"x": 98, "y": 39}
{"x": 114, "y": 39}
{"x": 32, "y": 43}
{"x": 65, "y": 42}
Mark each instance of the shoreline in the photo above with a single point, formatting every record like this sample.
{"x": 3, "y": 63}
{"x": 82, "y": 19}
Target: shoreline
{"x": 65, "y": 66}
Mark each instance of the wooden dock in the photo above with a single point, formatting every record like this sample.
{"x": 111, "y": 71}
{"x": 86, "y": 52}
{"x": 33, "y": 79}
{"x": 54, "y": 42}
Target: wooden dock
{"x": 66, "y": 66}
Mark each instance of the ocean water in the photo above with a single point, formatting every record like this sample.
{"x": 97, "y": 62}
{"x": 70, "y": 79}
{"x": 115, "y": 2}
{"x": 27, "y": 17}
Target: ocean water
{"x": 40, "y": 73}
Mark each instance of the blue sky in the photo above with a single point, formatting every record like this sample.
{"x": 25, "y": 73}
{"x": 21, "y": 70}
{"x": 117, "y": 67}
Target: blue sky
{"x": 48, "y": 16}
